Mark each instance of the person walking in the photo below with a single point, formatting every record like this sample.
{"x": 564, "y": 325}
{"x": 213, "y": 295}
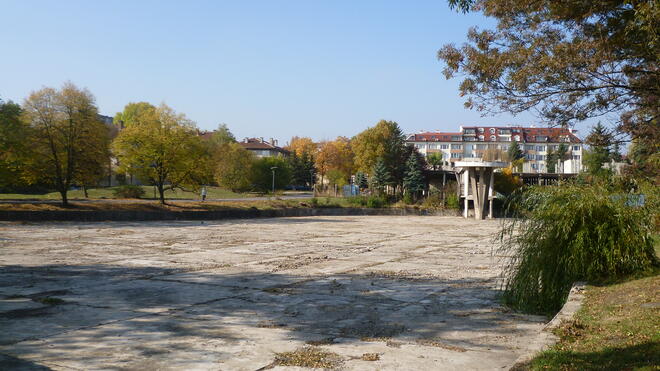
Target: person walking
{"x": 203, "y": 194}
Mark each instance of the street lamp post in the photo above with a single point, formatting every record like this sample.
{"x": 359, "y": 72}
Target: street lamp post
{"x": 273, "y": 169}
{"x": 311, "y": 182}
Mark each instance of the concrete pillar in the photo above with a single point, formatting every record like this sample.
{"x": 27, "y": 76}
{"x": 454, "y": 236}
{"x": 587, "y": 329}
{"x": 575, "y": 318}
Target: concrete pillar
{"x": 466, "y": 183}
{"x": 490, "y": 194}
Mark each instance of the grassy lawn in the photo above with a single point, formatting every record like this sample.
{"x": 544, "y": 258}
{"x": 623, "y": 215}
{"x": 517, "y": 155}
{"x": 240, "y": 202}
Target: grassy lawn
{"x": 617, "y": 328}
{"x": 107, "y": 192}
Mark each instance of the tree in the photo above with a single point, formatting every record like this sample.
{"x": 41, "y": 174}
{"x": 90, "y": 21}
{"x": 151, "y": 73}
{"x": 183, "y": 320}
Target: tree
{"x": 551, "y": 160}
{"x": 133, "y": 113}
{"x": 162, "y": 147}
{"x": 361, "y": 180}
{"x": 13, "y": 144}
{"x": 302, "y": 145}
{"x": 223, "y": 135}
{"x": 516, "y": 156}
{"x": 566, "y": 61}
{"x": 380, "y": 176}
{"x": 233, "y": 168}
{"x": 384, "y": 141}
{"x": 262, "y": 174}
{"x": 562, "y": 155}
{"x": 65, "y": 133}
{"x": 601, "y": 143}
{"x": 413, "y": 182}
{"x": 435, "y": 160}
{"x": 335, "y": 155}
{"x": 302, "y": 168}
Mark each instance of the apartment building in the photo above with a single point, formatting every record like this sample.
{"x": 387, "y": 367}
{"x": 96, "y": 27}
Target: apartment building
{"x": 473, "y": 141}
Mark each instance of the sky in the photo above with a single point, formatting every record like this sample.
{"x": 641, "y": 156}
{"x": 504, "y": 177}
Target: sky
{"x": 272, "y": 69}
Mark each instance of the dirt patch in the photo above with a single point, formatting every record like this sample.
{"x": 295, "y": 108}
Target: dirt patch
{"x": 311, "y": 357}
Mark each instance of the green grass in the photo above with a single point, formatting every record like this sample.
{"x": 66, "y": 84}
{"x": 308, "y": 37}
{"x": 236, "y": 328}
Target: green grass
{"x": 617, "y": 328}
{"x": 107, "y": 193}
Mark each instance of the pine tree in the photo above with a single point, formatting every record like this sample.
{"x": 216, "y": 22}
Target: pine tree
{"x": 361, "y": 180}
{"x": 380, "y": 176}
{"x": 413, "y": 181}
{"x": 551, "y": 160}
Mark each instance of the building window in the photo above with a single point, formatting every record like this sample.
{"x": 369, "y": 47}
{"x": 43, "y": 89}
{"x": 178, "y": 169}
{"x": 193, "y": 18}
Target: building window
{"x": 540, "y": 148}
{"x": 481, "y": 130}
{"x": 444, "y": 146}
{"x": 534, "y": 166}
{"x": 492, "y": 130}
{"x": 420, "y": 145}
{"x": 529, "y": 147}
{"x": 576, "y": 148}
{"x": 576, "y": 157}
{"x": 456, "y": 146}
{"x": 529, "y": 157}
{"x": 455, "y": 155}
{"x": 541, "y": 138}
{"x": 456, "y": 138}
{"x": 540, "y": 158}
{"x": 517, "y": 138}
{"x": 481, "y": 138}
{"x": 493, "y": 138}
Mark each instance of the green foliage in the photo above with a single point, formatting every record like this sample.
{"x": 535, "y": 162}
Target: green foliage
{"x": 13, "y": 145}
{"x": 129, "y": 191}
{"x": 452, "y": 201}
{"x": 380, "y": 176}
{"x": 262, "y": 174}
{"x": 133, "y": 114}
{"x": 435, "y": 160}
{"x": 222, "y": 135}
{"x": 567, "y": 233}
{"x": 514, "y": 152}
{"x": 413, "y": 181}
{"x": 384, "y": 142}
{"x": 506, "y": 183}
{"x": 434, "y": 200}
{"x": 551, "y": 160}
{"x": 68, "y": 142}
{"x": 233, "y": 167}
{"x": 376, "y": 202}
{"x": 162, "y": 148}
{"x": 361, "y": 180}
{"x": 303, "y": 171}
{"x": 337, "y": 177}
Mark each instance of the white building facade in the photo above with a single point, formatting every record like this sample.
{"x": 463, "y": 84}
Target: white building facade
{"x": 474, "y": 141}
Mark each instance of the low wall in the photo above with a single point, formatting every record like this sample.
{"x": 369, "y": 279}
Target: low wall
{"x": 98, "y": 216}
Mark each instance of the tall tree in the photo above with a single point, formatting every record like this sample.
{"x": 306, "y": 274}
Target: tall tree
{"x": 65, "y": 133}
{"x": 516, "y": 156}
{"x": 380, "y": 176}
{"x": 361, "y": 180}
{"x": 601, "y": 143}
{"x": 335, "y": 155}
{"x": 413, "y": 181}
{"x": 222, "y": 135}
{"x": 233, "y": 167}
{"x": 302, "y": 145}
{"x": 13, "y": 144}
{"x": 132, "y": 114}
{"x": 384, "y": 141}
{"x": 563, "y": 154}
{"x": 262, "y": 174}
{"x": 566, "y": 61}
{"x": 162, "y": 147}
{"x": 551, "y": 160}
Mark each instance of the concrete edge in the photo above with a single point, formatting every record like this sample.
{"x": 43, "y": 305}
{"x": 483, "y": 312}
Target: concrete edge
{"x": 101, "y": 216}
{"x": 546, "y": 338}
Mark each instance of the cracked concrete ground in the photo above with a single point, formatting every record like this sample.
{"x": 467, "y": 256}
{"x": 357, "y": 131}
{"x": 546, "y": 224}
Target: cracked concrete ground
{"x": 379, "y": 292}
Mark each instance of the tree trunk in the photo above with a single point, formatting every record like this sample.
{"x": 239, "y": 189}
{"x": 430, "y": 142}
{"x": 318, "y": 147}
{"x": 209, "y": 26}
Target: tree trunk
{"x": 65, "y": 199}
{"x": 161, "y": 193}
{"x": 84, "y": 187}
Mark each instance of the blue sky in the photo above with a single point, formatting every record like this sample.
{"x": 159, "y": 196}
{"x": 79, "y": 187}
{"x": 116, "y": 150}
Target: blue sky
{"x": 266, "y": 68}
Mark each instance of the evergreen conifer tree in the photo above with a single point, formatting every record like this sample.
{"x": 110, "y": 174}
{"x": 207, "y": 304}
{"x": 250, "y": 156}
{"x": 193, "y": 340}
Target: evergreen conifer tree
{"x": 413, "y": 181}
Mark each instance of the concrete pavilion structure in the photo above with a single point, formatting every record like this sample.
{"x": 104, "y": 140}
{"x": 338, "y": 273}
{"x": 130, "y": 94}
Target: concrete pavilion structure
{"x": 476, "y": 178}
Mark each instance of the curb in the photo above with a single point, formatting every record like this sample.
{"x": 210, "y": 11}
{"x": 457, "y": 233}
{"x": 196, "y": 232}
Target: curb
{"x": 100, "y": 216}
{"x": 546, "y": 338}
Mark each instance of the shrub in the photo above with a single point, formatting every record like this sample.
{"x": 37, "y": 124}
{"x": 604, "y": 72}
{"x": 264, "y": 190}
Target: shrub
{"x": 314, "y": 201}
{"x": 357, "y": 201}
{"x": 434, "y": 200}
{"x": 376, "y": 202}
{"x": 128, "y": 191}
{"x": 562, "y": 234}
{"x": 452, "y": 201}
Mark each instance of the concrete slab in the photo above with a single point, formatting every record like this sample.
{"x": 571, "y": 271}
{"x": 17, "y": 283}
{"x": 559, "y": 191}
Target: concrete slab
{"x": 421, "y": 292}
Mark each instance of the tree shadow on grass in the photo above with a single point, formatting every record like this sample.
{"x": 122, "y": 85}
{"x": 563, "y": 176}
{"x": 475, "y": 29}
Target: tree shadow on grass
{"x": 640, "y": 356}
{"x": 103, "y": 314}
